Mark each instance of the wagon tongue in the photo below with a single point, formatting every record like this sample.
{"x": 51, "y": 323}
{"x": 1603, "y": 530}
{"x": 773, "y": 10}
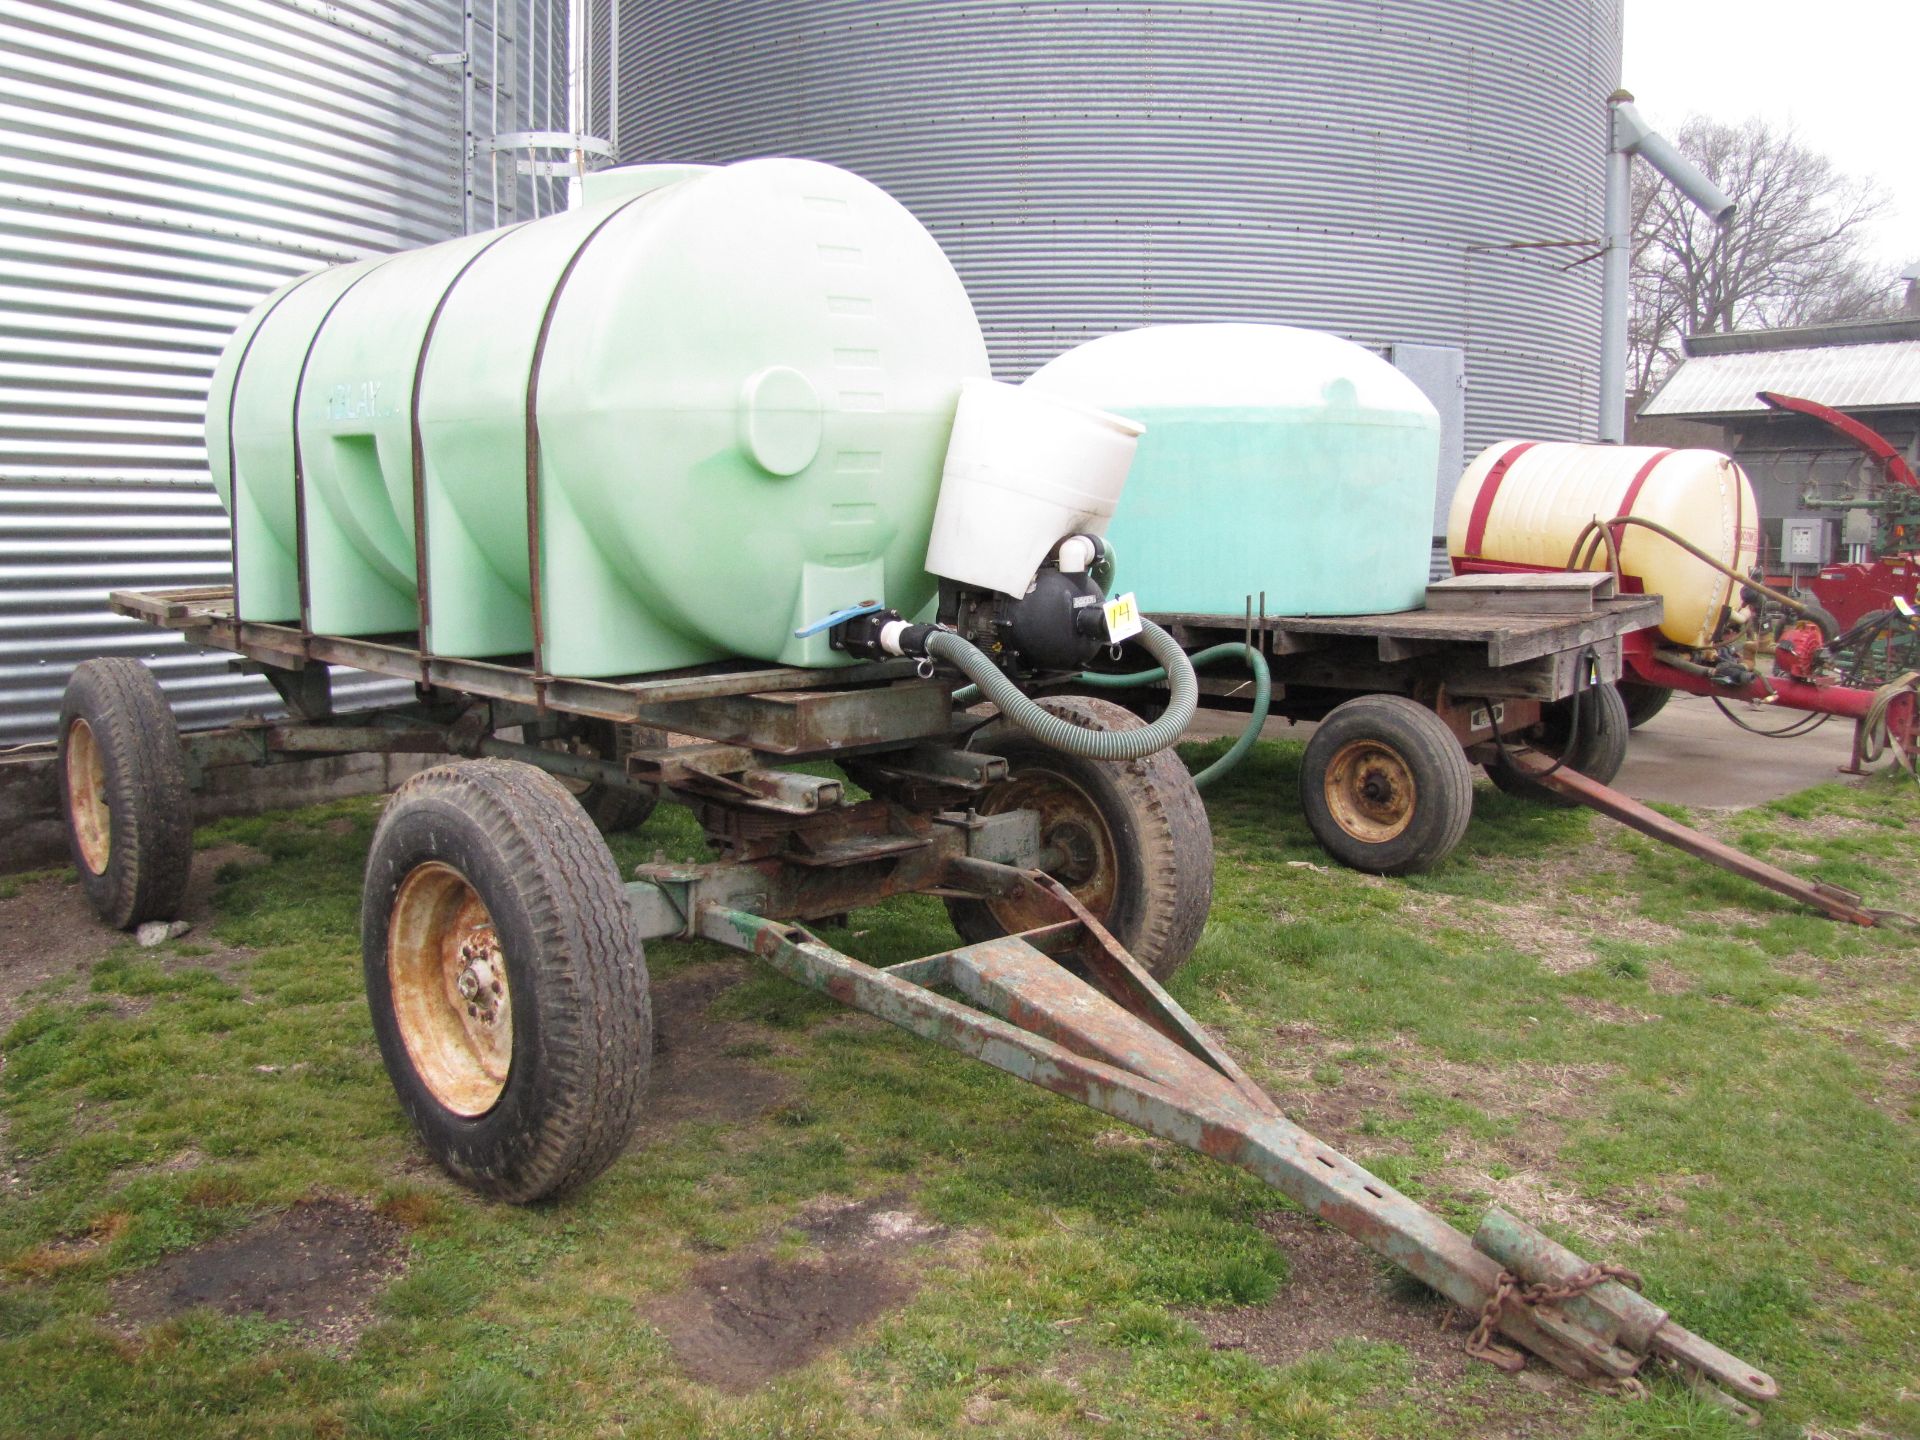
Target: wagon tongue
{"x": 1063, "y": 1006}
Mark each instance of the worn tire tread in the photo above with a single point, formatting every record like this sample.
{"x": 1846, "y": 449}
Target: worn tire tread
{"x": 151, "y": 853}
{"x": 588, "y": 963}
{"x": 1440, "y": 769}
{"x": 1602, "y": 751}
{"x": 1176, "y": 842}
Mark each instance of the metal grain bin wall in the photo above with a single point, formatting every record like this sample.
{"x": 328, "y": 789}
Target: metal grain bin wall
{"x": 1399, "y": 172}
{"x": 164, "y": 164}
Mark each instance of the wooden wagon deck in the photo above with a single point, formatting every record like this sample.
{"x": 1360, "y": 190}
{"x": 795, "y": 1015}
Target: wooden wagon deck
{"x": 205, "y": 615}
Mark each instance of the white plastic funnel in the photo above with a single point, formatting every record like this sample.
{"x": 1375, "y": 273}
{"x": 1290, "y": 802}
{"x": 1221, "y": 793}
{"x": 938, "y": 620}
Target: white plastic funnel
{"x": 1024, "y": 470}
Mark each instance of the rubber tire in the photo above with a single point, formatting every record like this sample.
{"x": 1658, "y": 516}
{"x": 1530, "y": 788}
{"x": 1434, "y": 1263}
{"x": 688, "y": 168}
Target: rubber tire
{"x": 151, "y": 829}
{"x": 1643, "y": 701}
{"x": 1601, "y": 751}
{"x": 1163, "y": 845}
{"x": 576, "y": 968}
{"x": 616, "y": 808}
{"x": 1442, "y": 784}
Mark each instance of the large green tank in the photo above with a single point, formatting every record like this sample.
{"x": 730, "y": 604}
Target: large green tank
{"x": 741, "y": 382}
{"x": 1275, "y": 460}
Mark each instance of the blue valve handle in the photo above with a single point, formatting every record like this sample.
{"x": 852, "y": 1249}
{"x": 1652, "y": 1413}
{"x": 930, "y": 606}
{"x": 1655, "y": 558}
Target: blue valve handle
{"x": 838, "y": 617}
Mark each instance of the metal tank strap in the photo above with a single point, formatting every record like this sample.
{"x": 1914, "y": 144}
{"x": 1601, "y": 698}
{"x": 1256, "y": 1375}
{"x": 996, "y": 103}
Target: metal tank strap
{"x": 233, "y": 400}
{"x": 1634, "y": 487}
{"x": 419, "y": 456}
{"x": 299, "y": 467}
{"x": 1483, "y": 502}
{"x": 533, "y": 440}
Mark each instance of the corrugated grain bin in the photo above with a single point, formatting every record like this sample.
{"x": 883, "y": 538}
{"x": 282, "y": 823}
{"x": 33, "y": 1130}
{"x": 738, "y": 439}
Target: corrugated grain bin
{"x": 741, "y": 382}
{"x": 1277, "y": 460}
{"x": 1526, "y": 503}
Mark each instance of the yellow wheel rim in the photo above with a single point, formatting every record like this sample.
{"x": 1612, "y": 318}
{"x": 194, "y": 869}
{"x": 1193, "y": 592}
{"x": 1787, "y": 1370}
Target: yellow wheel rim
{"x": 451, "y": 999}
{"x": 87, "y": 797}
{"x": 1370, "y": 791}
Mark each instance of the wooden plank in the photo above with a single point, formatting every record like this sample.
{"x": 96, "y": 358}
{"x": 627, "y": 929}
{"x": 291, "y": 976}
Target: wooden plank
{"x": 173, "y": 608}
{"x": 1598, "y": 583}
{"x": 1557, "y": 593}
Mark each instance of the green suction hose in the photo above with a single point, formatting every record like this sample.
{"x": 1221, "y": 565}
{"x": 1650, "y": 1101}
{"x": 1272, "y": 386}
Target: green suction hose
{"x": 1051, "y": 730}
{"x": 1262, "y": 698}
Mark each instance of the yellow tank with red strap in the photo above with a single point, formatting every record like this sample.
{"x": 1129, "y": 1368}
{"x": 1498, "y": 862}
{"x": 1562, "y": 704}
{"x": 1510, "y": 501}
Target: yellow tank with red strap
{"x": 1523, "y": 504}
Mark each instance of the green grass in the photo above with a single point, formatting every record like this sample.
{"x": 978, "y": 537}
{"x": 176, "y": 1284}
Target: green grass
{"x": 1725, "y": 1082}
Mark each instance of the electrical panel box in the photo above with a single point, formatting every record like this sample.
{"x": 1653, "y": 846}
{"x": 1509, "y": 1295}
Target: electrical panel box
{"x": 1803, "y": 541}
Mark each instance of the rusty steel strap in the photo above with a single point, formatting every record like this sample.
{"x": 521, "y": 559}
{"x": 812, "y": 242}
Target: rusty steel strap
{"x": 1509, "y": 1290}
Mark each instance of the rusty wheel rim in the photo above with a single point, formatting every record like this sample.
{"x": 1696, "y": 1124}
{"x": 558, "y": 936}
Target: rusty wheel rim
{"x": 1370, "y": 791}
{"x": 87, "y": 797}
{"x": 1083, "y": 855}
{"x": 451, "y": 999}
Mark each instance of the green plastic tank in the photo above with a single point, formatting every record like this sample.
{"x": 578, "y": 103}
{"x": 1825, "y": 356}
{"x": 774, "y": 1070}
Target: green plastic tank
{"x": 1274, "y": 459}
{"x": 740, "y": 383}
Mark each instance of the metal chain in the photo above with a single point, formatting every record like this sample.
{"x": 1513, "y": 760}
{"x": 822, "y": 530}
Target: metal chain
{"x": 1508, "y": 1290}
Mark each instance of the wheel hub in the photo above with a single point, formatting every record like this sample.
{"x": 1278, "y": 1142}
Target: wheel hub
{"x": 479, "y": 982}
{"x": 451, "y": 998}
{"x": 1080, "y": 850}
{"x": 1076, "y": 852}
{"x": 1370, "y": 791}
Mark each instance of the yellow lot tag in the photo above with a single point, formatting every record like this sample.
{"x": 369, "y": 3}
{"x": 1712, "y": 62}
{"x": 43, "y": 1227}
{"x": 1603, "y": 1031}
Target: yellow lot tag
{"x": 1123, "y": 618}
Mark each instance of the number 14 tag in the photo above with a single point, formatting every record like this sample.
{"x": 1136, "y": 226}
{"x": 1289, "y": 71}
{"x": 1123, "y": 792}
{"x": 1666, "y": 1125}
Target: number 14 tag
{"x": 1123, "y": 618}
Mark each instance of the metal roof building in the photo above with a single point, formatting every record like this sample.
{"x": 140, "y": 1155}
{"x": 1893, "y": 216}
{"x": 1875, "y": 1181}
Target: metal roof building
{"x": 1862, "y": 365}
{"x": 1869, "y": 369}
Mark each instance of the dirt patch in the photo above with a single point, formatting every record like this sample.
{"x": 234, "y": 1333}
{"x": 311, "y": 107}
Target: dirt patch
{"x": 1336, "y": 1290}
{"x": 318, "y": 1266}
{"x": 1555, "y": 926}
{"x": 1518, "y": 1169}
{"x": 1531, "y": 1091}
{"x": 744, "y": 1319}
{"x": 49, "y": 935}
{"x": 703, "y": 1067}
{"x": 1601, "y": 1225}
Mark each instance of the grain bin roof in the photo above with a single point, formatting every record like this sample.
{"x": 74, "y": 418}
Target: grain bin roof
{"x": 1865, "y": 365}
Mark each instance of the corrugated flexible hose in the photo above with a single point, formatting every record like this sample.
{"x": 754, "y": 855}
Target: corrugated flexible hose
{"x": 1059, "y": 734}
{"x": 1875, "y": 735}
{"x": 1262, "y": 699}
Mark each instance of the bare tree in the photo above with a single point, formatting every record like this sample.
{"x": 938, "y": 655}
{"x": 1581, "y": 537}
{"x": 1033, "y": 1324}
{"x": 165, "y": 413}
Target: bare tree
{"x": 1791, "y": 257}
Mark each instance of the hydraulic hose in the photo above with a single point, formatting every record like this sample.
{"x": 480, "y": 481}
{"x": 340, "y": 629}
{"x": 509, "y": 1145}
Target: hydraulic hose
{"x": 1050, "y": 730}
{"x": 1586, "y": 545}
{"x": 1875, "y": 734}
{"x": 1262, "y": 699}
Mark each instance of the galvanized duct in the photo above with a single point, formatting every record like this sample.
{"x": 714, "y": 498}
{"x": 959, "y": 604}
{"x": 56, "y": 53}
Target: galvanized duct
{"x": 163, "y": 164}
{"x": 1393, "y": 171}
